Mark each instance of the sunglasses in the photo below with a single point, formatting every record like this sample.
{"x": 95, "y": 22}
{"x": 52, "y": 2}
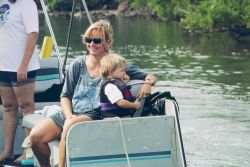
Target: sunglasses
{"x": 96, "y": 41}
{"x": 12, "y": 1}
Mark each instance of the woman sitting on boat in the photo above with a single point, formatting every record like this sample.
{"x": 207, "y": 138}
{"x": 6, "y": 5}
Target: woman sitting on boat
{"x": 80, "y": 94}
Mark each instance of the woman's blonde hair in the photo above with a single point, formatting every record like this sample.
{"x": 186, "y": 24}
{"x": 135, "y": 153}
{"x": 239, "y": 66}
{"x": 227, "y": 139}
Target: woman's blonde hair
{"x": 103, "y": 27}
{"x": 110, "y": 62}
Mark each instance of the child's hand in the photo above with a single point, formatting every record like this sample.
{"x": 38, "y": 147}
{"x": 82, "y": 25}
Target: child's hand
{"x": 138, "y": 105}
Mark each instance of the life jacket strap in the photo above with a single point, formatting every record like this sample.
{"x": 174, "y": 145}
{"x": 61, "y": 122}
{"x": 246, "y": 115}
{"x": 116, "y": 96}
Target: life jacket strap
{"x": 107, "y": 106}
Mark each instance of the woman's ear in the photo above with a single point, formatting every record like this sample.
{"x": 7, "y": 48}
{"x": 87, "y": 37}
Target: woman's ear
{"x": 109, "y": 43}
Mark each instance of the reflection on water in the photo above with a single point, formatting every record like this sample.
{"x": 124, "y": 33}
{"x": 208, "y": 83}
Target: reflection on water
{"x": 209, "y": 76}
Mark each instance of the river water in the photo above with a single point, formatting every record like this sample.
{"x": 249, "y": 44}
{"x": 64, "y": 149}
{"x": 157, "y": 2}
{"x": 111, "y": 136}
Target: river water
{"x": 208, "y": 74}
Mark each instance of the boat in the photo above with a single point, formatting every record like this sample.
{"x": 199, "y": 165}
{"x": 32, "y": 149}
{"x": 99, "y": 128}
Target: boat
{"x": 148, "y": 141}
{"x": 141, "y": 140}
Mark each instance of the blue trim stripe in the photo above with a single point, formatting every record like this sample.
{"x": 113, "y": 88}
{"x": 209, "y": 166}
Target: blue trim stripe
{"x": 120, "y": 158}
{"x": 47, "y": 77}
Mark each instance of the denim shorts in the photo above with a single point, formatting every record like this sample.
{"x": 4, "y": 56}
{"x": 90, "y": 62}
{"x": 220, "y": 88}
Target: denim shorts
{"x": 59, "y": 117}
{"x": 9, "y": 79}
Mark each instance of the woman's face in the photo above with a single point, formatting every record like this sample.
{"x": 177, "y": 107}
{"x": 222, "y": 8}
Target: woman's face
{"x": 96, "y": 44}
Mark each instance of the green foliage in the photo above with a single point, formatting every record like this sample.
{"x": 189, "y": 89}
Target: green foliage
{"x": 162, "y": 8}
{"x": 65, "y": 5}
{"x": 245, "y": 13}
{"x": 59, "y": 5}
{"x": 205, "y": 15}
{"x": 218, "y": 14}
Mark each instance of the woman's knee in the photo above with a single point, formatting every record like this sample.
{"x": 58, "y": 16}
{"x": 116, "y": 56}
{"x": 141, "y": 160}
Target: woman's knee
{"x": 35, "y": 138}
{"x": 45, "y": 132}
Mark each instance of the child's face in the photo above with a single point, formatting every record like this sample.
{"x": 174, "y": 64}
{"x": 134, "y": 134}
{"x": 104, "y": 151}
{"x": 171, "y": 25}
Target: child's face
{"x": 119, "y": 72}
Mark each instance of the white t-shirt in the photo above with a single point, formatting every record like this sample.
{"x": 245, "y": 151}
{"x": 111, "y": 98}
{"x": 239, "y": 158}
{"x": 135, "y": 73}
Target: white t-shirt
{"x": 16, "y": 21}
{"x": 113, "y": 93}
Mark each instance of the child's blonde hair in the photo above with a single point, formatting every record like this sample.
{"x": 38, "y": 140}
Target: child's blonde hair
{"x": 103, "y": 27}
{"x": 110, "y": 62}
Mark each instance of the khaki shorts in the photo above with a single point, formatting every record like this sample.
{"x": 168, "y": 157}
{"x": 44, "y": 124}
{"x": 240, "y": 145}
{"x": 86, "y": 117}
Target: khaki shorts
{"x": 59, "y": 117}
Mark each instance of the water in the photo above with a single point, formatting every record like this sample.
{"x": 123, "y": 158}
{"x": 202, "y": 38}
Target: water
{"x": 208, "y": 74}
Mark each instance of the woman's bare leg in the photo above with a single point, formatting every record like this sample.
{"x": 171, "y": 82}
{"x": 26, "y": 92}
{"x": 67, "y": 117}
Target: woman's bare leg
{"x": 10, "y": 120}
{"x": 40, "y": 136}
{"x": 67, "y": 125}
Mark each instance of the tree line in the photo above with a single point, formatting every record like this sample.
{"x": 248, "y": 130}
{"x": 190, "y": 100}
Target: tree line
{"x": 195, "y": 15}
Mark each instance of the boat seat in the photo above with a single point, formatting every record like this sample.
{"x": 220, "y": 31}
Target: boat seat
{"x": 29, "y": 121}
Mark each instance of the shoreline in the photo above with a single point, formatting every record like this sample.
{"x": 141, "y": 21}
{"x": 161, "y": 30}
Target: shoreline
{"x": 105, "y": 14}
{"x": 137, "y": 14}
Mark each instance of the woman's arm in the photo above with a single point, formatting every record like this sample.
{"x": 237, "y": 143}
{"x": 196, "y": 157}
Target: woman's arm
{"x": 145, "y": 90}
{"x": 149, "y": 79}
{"x": 66, "y": 107}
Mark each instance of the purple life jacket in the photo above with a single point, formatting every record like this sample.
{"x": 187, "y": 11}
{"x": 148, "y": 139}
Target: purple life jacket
{"x": 107, "y": 107}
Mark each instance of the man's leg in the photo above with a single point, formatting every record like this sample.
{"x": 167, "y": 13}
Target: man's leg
{"x": 10, "y": 120}
{"x": 25, "y": 99}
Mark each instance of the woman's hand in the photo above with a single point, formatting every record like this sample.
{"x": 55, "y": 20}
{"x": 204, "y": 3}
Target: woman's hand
{"x": 69, "y": 121}
{"x": 144, "y": 91}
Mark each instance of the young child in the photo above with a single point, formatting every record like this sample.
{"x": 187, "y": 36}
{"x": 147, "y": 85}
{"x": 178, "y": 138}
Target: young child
{"x": 115, "y": 96}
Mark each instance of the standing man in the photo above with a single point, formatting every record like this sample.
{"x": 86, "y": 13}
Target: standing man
{"x": 18, "y": 65}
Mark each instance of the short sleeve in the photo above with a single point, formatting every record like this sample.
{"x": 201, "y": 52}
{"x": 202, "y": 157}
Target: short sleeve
{"x": 29, "y": 16}
{"x": 72, "y": 77}
{"x": 113, "y": 93}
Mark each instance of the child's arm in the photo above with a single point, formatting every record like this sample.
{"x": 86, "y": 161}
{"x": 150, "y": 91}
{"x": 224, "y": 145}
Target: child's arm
{"x": 126, "y": 104}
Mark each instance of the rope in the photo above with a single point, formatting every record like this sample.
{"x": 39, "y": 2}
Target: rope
{"x": 87, "y": 12}
{"x": 123, "y": 140}
{"x": 52, "y": 35}
{"x": 70, "y": 28}
{"x": 69, "y": 36}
